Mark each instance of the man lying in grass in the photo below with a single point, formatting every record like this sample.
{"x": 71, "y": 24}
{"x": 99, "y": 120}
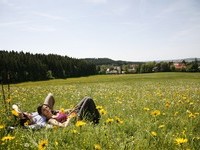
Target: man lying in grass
{"x": 85, "y": 109}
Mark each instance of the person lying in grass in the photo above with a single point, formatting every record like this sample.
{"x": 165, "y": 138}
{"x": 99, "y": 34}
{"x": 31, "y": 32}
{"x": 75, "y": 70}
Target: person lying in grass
{"x": 34, "y": 120}
{"x": 85, "y": 109}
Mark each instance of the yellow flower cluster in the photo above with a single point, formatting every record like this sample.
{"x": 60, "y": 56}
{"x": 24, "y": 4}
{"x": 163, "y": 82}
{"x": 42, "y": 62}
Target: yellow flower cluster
{"x": 180, "y": 141}
{"x": 155, "y": 113}
{"x": 101, "y": 110}
{"x": 80, "y": 123}
{"x": 7, "y": 138}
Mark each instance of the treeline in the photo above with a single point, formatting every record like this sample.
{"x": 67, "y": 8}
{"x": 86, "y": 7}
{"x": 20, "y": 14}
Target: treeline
{"x": 107, "y": 61}
{"x": 20, "y": 67}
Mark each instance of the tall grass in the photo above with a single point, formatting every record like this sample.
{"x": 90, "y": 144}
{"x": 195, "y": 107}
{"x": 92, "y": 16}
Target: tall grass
{"x": 147, "y": 111}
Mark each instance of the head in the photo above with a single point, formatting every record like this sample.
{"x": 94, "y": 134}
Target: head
{"x": 44, "y": 110}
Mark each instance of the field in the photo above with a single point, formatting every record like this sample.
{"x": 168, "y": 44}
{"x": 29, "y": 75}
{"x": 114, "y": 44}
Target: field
{"x": 140, "y": 111}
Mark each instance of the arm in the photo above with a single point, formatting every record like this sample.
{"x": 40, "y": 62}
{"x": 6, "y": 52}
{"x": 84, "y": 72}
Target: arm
{"x": 56, "y": 123}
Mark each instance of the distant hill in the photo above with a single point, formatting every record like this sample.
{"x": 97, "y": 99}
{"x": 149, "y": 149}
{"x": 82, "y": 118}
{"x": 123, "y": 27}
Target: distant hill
{"x": 108, "y": 61}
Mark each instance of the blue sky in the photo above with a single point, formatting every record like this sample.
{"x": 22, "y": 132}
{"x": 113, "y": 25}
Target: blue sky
{"x": 131, "y": 30}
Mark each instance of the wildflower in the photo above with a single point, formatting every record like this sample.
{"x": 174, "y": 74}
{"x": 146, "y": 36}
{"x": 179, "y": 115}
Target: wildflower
{"x": 191, "y": 115}
{"x": 15, "y": 113}
{"x": 109, "y": 120}
{"x": 102, "y": 112}
{"x": 56, "y": 143}
{"x": 42, "y": 144}
{"x": 153, "y": 133}
{"x": 161, "y": 126}
{"x": 74, "y": 131}
{"x": 2, "y": 126}
{"x": 176, "y": 113}
{"x": 7, "y": 138}
{"x": 155, "y": 113}
{"x": 118, "y": 120}
{"x": 180, "y": 141}
{"x": 62, "y": 110}
{"x": 26, "y": 123}
{"x": 99, "y": 107}
{"x": 146, "y": 109}
{"x": 97, "y": 147}
{"x": 80, "y": 123}
{"x": 167, "y": 104}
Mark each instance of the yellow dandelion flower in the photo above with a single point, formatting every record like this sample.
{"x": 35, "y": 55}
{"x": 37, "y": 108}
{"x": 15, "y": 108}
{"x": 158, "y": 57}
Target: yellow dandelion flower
{"x": 176, "y": 113}
{"x": 155, "y": 113}
{"x": 179, "y": 141}
{"x": 191, "y": 115}
{"x": 109, "y": 120}
{"x": 2, "y": 126}
{"x": 42, "y": 144}
{"x": 62, "y": 110}
{"x": 153, "y": 133}
{"x": 118, "y": 120}
{"x": 103, "y": 112}
{"x": 56, "y": 143}
{"x": 167, "y": 104}
{"x": 146, "y": 109}
{"x": 74, "y": 131}
{"x": 15, "y": 113}
{"x": 99, "y": 107}
{"x": 7, "y": 138}
{"x": 97, "y": 147}
{"x": 161, "y": 126}
{"x": 80, "y": 123}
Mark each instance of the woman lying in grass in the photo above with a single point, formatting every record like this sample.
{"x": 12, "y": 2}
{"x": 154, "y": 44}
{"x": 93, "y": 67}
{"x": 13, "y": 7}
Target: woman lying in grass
{"x": 85, "y": 109}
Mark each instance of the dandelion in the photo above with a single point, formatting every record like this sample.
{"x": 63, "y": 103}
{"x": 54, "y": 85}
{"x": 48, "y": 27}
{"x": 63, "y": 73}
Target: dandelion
{"x": 161, "y": 126}
{"x": 146, "y": 109}
{"x": 153, "y": 133}
{"x": 42, "y": 144}
{"x": 118, "y": 120}
{"x": 7, "y": 138}
{"x": 2, "y": 126}
{"x": 99, "y": 107}
{"x": 179, "y": 141}
{"x": 62, "y": 110}
{"x": 97, "y": 147}
{"x": 74, "y": 131}
{"x": 15, "y": 113}
{"x": 80, "y": 123}
{"x": 56, "y": 143}
{"x": 103, "y": 112}
{"x": 191, "y": 115}
{"x": 109, "y": 120}
{"x": 167, "y": 104}
{"x": 155, "y": 113}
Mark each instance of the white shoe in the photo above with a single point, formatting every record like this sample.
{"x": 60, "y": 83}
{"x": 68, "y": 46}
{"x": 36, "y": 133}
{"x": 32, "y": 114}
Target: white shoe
{"x": 16, "y": 108}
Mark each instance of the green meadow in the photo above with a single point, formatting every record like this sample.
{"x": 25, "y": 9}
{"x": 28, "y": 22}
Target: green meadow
{"x": 138, "y": 111}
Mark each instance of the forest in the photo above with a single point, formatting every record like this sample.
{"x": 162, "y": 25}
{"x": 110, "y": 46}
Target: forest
{"x": 18, "y": 67}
